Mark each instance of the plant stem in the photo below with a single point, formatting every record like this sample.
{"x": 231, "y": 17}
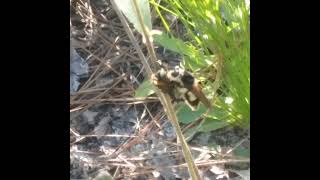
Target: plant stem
{"x": 164, "y": 98}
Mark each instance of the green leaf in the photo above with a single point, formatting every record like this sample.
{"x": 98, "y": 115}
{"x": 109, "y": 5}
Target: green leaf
{"x": 212, "y": 124}
{"x": 186, "y": 115}
{"x": 127, "y": 7}
{"x": 173, "y": 44}
{"x": 241, "y": 151}
{"x": 145, "y": 89}
{"x": 193, "y": 58}
{"x": 189, "y": 133}
{"x": 218, "y": 113}
{"x": 194, "y": 64}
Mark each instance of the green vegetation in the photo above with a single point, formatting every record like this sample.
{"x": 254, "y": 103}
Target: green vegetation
{"x": 217, "y": 52}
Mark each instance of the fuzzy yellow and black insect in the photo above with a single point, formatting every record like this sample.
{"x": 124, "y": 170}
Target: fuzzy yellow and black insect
{"x": 181, "y": 86}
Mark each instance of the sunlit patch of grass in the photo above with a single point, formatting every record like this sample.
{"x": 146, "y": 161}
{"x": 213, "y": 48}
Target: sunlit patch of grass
{"x": 220, "y": 46}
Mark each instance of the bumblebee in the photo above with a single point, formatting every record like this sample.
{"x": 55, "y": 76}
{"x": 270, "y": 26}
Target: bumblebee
{"x": 181, "y": 86}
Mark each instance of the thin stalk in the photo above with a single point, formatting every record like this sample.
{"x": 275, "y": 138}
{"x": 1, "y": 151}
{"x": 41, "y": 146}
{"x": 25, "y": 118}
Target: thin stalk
{"x": 164, "y": 98}
{"x": 193, "y": 170}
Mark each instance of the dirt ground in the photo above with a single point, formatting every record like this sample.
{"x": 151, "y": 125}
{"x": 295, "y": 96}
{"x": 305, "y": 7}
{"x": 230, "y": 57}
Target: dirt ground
{"x": 112, "y": 133}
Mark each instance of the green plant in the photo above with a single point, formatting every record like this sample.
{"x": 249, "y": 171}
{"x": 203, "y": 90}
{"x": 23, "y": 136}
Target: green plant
{"x": 219, "y": 46}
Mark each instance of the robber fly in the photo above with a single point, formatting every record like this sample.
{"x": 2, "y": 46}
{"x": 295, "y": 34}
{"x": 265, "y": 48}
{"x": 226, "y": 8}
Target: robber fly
{"x": 180, "y": 85}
